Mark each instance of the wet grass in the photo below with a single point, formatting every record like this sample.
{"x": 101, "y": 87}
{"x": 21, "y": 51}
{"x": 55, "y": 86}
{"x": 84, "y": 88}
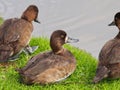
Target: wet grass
{"x": 80, "y": 80}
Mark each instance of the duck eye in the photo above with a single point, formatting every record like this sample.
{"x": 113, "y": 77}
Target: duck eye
{"x": 62, "y": 36}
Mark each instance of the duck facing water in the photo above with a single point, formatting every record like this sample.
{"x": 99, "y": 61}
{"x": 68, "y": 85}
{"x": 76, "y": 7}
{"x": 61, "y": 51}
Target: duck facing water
{"x": 51, "y": 66}
{"x": 109, "y": 57}
{"x": 15, "y": 34}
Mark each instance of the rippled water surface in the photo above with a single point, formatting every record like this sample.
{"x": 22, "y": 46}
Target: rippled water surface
{"x": 86, "y": 20}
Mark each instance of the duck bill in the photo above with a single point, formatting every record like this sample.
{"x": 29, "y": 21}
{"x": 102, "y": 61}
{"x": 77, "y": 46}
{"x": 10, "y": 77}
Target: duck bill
{"x": 112, "y": 24}
{"x": 71, "y": 40}
{"x": 36, "y": 20}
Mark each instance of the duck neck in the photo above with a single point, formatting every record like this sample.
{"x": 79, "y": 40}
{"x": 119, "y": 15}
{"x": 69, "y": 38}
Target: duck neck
{"x": 26, "y": 19}
{"x": 60, "y": 51}
{"x": 57, "y": 49}
{"x": 118, "y": 36}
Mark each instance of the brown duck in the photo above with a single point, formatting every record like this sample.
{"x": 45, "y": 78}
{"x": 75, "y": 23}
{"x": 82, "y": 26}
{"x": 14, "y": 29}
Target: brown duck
{"x": 15, "y": 34}
{"x": 109, "y": 57}
{"x": 52, "y": 66}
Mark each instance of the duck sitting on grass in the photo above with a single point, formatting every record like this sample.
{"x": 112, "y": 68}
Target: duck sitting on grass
{"x": 52, "y": 66}
{"x": 109, "y": 57}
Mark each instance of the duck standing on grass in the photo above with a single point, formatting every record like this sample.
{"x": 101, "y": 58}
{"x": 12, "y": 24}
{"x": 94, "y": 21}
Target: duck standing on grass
{"x": 15, "y": 34}
{"x": 51, "y": 66}
{"x": 109, "y": 57}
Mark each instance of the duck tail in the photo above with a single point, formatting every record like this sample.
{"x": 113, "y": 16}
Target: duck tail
{"x": 25, "y": 78}
{"x": 5, "y": 52}
{"x": 101, "y": 72}
{"x": 19, "y": 70}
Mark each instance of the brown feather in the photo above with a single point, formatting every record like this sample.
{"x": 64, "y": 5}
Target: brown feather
{"x": 109, "y": 57}
{"x": 15, "y": 33}
{"x": 51, "y": 66}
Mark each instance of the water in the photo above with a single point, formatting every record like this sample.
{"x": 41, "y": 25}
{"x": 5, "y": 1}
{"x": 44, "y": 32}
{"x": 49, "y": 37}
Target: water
{"x": 86, "y": 20}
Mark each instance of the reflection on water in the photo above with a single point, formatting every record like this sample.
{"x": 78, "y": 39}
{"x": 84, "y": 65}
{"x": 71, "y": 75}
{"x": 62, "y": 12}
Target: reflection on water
{"x": 80, "y": 19}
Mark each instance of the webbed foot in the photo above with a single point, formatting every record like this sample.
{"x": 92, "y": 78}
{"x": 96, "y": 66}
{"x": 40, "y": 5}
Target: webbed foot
{"x": 30, "y": 50}
{"x": 14, "y": 58}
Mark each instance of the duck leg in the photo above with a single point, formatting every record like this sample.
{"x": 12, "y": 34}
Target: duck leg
{"x": 27, "y": 50}
{"x": 30, "y": 50}
{"x": 102, "y": 72}
{"x": 14, "y": 58}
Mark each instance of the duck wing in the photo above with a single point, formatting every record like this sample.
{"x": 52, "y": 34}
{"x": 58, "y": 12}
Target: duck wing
{"x": 110, "y": 53}
{"x": 7, "y": 36}
{"x": 40, "y": 58}
{"x": 48, "y": 68}
{"x": 104, "y": 61}
{"x": 7, "y": 32}
{"x": 44, "y": 61}
{"x": 114, "y": 57}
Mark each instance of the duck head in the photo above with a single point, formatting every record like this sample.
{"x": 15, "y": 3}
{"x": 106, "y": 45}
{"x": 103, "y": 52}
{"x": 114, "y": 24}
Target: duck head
{"x": 116, "y": 20}
{"x": 31, "y": 14}
{"x": 59, "y": 38}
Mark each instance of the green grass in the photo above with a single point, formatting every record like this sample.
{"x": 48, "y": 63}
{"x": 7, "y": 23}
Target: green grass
{"x": 79, "y": 80}
{"x": 1, "y": 20}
